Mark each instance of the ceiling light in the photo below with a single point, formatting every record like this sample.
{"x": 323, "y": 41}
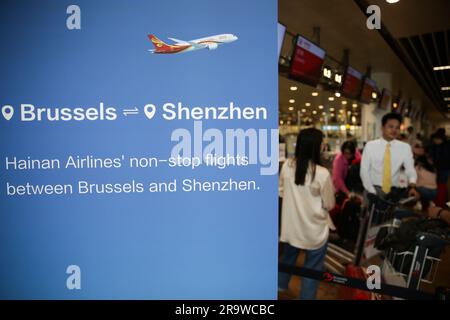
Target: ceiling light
{"x": 294, "y": 88}
{"x": 441, "y": 68}
{"x": 288, "y": 123}
{"x": 338, "y": 78}
{"x": 355, "y": 105}
{"x": 321, "y": 107}
{"x": 307, "y": 104}
{"x": 332, "y": 114}
{"x": 331, "y": 98}
{"x": 281, "y": 122}
{"x": 291, "y": 108}
{"x": 314, "y": 112}
{"x": 395, "y": 105}
{"x": 331, "y": 109}
{"x": 392, "y": 1}
{"x": 314, "y": 94}
{"x": 324, "y": 113}
{"x": 337, "y": 94}
{"x": 303, "y": 110}
{"x": 374, "y": 95}
{"x": 445, "y": 88}
{"x": 291, "y": 100}
{"x": 344, "y": 102}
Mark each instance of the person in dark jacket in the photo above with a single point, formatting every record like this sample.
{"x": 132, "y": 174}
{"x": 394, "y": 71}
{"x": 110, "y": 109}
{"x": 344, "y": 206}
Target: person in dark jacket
{"x": 440, "y": 153}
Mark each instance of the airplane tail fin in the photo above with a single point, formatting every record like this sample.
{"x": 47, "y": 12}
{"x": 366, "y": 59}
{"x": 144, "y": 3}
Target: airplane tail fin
{"x": 158, "y": 44}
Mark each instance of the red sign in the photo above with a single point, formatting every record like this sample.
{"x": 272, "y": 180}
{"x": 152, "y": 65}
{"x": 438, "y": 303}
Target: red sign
{"x": 352, "y": 83}
{"x": 306, "y": 65}
{"x": 368, "y": 88}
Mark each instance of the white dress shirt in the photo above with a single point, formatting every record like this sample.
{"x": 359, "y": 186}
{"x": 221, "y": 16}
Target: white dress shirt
{"x": 305, "y": 221}
{"x": 372, "y": 163}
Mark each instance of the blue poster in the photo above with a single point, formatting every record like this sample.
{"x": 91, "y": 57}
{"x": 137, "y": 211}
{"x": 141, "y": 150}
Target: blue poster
{"x": 138, "y": 149}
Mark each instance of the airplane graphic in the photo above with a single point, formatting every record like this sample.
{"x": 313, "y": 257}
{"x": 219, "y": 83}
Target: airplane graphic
{"x": 180, "y": 46}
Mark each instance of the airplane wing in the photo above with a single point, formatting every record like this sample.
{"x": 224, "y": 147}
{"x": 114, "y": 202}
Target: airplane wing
{"x": 193, "y": 44}
{"x": 179, "y": 41}
{"x": 197, "y": 45}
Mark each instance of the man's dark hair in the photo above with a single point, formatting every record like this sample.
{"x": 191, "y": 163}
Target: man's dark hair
{"x": 390, "y": 116}
{"x": 348, "y": 145}
{"x": 440, "y": 133}
{"x": 425, "y": 163}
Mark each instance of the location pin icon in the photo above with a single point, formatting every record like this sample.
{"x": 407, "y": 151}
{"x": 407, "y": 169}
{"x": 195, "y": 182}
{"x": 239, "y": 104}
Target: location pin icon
{"x": 149, "y": 110}
{"x": 7, "y": 112}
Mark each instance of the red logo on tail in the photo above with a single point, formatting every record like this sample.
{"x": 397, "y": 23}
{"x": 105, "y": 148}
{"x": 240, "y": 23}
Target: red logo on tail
{"x": 158, "y": 44}
{"x": 162, "y": 47}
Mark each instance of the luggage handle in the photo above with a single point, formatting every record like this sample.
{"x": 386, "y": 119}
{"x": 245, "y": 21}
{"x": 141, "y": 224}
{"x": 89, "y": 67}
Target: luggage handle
{"x": 430, "y": 240}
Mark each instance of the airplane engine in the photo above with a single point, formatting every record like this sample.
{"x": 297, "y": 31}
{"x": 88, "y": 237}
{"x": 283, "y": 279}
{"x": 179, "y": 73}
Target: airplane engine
{"x": 212, "y": 46}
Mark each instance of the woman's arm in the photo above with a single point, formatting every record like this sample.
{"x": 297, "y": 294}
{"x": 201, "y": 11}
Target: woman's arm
{"x": 327, "y": 193}
{"x": 338, "y": 174}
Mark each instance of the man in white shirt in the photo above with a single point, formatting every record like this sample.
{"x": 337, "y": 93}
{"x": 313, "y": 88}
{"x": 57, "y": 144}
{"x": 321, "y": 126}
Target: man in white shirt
{"x": 384, "y": 159}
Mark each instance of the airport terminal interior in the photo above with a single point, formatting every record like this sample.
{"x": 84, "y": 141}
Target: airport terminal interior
{"x": 340, "y": 71}
{"x": 141, "y": 166}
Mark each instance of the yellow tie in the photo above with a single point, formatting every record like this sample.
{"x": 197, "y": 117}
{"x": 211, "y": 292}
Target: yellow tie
{"x": 387, "y": 179}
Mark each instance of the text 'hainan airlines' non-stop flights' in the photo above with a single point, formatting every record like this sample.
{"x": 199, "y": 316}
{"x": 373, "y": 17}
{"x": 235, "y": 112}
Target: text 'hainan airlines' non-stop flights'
{"x": 180, "y": 46}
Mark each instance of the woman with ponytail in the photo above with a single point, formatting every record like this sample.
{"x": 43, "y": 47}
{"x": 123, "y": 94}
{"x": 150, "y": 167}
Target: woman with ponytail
{"x": 308, "y": 194}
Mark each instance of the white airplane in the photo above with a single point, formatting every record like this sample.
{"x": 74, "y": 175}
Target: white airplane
{"x": 180, "y": 46}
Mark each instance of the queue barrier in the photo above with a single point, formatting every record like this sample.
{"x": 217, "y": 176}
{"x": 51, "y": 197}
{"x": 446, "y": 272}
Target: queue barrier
{"x": 385, "y": 289}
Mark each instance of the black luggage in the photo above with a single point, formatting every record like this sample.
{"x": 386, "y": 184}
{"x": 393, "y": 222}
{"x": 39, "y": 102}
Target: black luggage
{"x": 405, "y": 239}
{"x": 348, "y": 219}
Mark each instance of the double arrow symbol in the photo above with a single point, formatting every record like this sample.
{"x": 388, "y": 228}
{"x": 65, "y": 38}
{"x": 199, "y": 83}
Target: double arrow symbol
{"x": 149, "y": 110}
{"x": 126, "y": 112}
